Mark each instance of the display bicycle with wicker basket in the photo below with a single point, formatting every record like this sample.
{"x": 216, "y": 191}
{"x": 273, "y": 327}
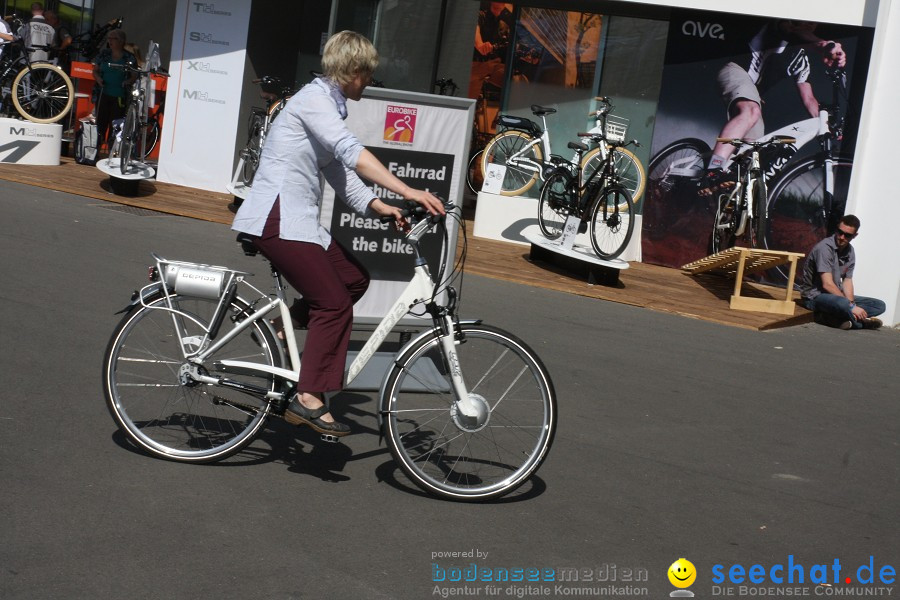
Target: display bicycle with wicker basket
{"x": 598, "y": 200}
{"x": 522, "y": 146}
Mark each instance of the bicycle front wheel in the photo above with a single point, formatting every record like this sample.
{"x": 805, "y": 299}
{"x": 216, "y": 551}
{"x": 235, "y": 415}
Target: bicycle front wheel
{"x": 552, "y": 206}
{"x": 43, "y": 93}
{"x": 518, "y": 178}
{"x": 155, "y": 402}
{"x": 433, "y": 445}
{"x": 760, "y": 208}
{"x": 612, "y": 222}
{"x": 632, "y": 175}
{"x": 129, "y": 135}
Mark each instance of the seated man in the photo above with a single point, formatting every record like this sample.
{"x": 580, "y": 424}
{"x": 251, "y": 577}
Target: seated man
{"x": 827, "y": 282}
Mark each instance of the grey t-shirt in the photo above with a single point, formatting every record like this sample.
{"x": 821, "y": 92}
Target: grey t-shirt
{"x": 825, "y": 258}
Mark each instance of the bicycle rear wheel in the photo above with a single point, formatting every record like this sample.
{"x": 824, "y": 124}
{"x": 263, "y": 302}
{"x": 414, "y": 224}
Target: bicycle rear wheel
{"x": 159, "y": 407}
{"x": 612, "y": 222}
{"x": 725, "y": 224}
{"x": 43, "y": 93}
{"x": 252, "y": 151}
{"x": 517, "y": 179}
{"x": 448, "y": 458}
{"x": 555, "y": 197}
{"x": 152, "y": 137}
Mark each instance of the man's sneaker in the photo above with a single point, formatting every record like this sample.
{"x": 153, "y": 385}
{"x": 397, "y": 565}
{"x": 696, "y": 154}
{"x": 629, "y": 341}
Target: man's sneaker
{"x": 871, "y": 323}
{"x": 715, "y": 181}
{"x": 846, "y": 325}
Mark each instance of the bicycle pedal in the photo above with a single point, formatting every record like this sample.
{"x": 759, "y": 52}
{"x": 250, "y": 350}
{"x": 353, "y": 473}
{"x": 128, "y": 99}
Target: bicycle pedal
{"x": 331, "y": 439}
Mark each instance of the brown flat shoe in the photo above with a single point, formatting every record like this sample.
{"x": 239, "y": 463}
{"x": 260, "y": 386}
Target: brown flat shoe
{"x": 297, "y": 414}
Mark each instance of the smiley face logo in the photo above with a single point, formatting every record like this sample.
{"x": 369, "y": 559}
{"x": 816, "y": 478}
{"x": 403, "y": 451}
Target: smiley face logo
{"x": 682, "y": 573}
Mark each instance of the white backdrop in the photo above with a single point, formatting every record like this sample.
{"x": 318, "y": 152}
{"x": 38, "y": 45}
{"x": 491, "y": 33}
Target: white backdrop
{"x": 204, "y": 93}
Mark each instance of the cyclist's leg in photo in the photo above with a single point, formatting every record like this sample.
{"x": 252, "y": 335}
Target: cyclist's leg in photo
{"x": 743, "y": 102}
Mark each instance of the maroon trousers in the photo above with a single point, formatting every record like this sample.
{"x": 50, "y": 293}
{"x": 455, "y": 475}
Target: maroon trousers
{"x": 330, "y": 281}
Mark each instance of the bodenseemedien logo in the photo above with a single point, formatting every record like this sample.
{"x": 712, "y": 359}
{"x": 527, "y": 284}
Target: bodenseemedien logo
{"x": 682, "y": 574}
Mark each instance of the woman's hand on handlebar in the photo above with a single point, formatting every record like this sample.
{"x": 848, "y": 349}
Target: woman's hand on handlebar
{"x": 431, "y": 202}
{"x": 386, "y": 211}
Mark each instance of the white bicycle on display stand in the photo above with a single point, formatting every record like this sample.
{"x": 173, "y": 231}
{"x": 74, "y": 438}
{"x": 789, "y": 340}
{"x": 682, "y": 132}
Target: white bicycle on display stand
{"x": 129, "y": 149}
{"x": 805, "y": 199}
{"x": 195, "y": 368}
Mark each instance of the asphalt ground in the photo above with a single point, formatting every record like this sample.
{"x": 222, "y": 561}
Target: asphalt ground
{"x": 677, "y": 438}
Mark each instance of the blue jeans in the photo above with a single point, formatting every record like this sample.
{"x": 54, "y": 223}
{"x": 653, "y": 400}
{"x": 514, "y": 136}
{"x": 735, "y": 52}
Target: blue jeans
{"x": 834, "y": 310}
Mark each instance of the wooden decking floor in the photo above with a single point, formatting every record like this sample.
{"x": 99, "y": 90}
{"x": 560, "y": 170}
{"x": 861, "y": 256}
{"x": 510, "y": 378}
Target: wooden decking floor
{"x": 658, "y": 288}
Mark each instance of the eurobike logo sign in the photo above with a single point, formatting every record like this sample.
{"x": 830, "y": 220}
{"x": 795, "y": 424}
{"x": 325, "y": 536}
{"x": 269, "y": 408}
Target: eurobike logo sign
{"x": 400, "y": 124}
{"x": 200, "y": 96}
{"x": 204, "y": 67}
{"x": 210, "y": 9}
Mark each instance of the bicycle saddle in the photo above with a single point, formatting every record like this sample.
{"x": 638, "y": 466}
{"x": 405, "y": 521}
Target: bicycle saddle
{"x": 540, "y": 111}
{"x": 248, "y": 243}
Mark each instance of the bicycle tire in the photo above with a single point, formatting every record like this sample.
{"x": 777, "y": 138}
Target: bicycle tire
{"x": 612, "y": 221}
{"x": 252, "y": 151}
{"x": 760, "y": 207}
{"x": 474, "y": 174}
{"x": 517, "y": 180}
{"x": 671, "y": 175}
{"x": 631, "y": 172}
{"x": 167, "y": 418}
{"x": 152, "y": 137}
{"x": 129, "y": 133}
{"x": 800, "y": 215}
{"x": 43, "y": 93}
{"x": 725, "y": 223}
{"x": 552, "y": 205}
{"x": 443, "y": 457}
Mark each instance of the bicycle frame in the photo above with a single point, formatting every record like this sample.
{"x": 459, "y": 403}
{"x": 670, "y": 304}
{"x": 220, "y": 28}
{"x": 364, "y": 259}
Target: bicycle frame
{"x": 546, "y": 167}
{"x": 420, "y": 289}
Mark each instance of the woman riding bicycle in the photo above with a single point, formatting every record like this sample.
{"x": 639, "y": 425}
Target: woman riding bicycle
{"x": 308, "y": 139}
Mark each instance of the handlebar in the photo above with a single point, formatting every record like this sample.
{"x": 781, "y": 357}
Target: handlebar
{"x": 160, "y": 71}
{"x": 415, "y": 212}
{"x": 778, "y": 139}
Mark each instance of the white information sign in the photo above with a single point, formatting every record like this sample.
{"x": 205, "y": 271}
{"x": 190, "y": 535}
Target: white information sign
{"x": 493, "y": 178}
{"x": 204, "y": 93}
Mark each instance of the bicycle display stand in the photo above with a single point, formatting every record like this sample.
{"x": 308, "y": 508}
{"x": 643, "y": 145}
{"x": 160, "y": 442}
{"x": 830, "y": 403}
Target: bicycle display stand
{"x": 577, "y": 259}
{"x": 744, "y": 261}
{"x": 27, "y": 143}
{"x": 125, "y": 184}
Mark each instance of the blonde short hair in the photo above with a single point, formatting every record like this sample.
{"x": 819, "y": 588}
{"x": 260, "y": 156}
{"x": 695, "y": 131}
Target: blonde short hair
{"x": 347, "y": 54}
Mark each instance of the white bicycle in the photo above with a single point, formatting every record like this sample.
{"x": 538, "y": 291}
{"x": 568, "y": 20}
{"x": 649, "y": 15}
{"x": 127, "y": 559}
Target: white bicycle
{"x": 195, "y": 368}
{"x": 523, "y": 147}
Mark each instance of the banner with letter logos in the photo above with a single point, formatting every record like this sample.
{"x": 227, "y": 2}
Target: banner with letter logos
{"x": 423, "y": 139}
{"x": 204, "y": 93}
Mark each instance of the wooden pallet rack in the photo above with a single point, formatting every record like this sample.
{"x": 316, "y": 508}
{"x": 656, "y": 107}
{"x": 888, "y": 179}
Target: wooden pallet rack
{"x": 745, "y": 261}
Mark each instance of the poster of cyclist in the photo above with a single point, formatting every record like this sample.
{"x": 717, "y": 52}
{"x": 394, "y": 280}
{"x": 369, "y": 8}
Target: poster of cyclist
{"x": 740, "y": 77}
